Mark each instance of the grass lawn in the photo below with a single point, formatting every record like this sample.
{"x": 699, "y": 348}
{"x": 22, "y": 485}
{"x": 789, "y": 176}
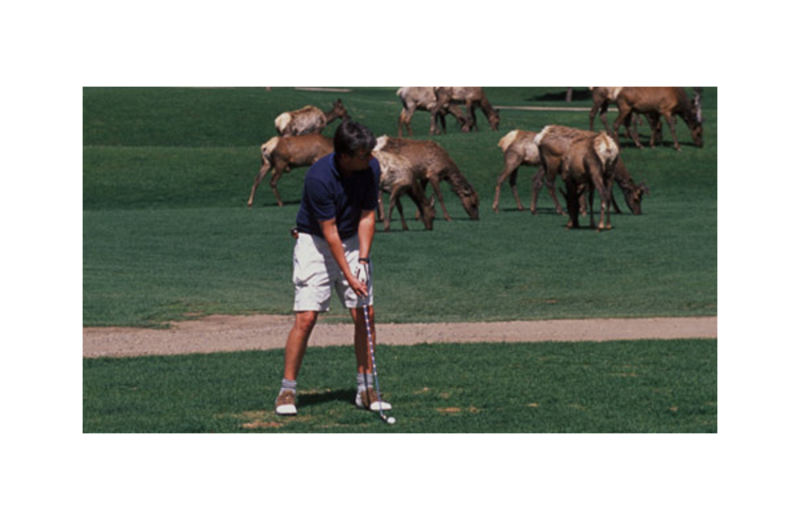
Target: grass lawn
{"x": 167, "y": 235}
{"x": 619, "y": 386}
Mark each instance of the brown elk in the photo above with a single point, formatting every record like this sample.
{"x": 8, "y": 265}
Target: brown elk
{"x": 586, "y": 163}
{"x": 397, "y": 178}
{"x": 472, "y": 97}
{"x": 431, "y": 163}
{"x": 424, "y": 98}
{"x": 655, "y": 102}
{"x": 634, "y": 193}
{"x": 283, "y": 153}
{"x": 601, "y": 98}
{"x": 309, "y": 120}
{"x": 519, "y": 150}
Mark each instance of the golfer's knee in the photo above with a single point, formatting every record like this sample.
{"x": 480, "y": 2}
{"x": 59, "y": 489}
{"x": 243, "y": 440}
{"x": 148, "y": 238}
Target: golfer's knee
{"x": 305, "y": 321}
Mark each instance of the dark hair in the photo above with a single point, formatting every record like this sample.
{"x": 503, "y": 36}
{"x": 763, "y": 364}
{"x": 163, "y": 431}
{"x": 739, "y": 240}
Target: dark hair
{"x": 351, "y": 137}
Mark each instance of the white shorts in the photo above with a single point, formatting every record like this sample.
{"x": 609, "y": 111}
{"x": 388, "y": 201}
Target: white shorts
{"x": 316, "y": 272}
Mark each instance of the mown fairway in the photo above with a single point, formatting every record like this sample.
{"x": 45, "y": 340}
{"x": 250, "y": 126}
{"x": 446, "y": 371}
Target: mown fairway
{"x": 633, "y": 386}
{"x": 167, "y": 234}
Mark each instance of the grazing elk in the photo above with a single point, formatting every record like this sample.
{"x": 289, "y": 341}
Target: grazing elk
{"x": 424, "y": 98}
{"x": 518, "y": 150}
{"x": 309, "y": 120}
{"x": 654, "y": 102}
{"x": 560, "y": 137}
{"x": 397, "y": 178}
{"x": 431, "y": 163}
{"x": 283, "y": 153}
{"x": 472, "y": 97}
{"x": 601, "y": 98}
{"x": 586, "y": 163}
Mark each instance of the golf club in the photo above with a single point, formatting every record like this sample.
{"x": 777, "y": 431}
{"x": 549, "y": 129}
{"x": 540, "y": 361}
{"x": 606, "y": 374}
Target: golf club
{"x": 384, "y": 418}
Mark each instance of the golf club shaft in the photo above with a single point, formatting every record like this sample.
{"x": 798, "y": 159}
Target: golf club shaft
{"x": 374, "y": 365}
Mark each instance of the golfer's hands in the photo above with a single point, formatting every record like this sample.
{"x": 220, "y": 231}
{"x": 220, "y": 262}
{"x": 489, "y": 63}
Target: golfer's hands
{"x": 362, "y": 278}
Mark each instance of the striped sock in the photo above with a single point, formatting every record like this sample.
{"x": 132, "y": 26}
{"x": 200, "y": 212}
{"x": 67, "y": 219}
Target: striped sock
{"x": 364, "y": 381}
{"x": 288, "y": 384}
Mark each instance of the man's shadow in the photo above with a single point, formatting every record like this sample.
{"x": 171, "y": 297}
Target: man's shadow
{"x": 328, "y": 396}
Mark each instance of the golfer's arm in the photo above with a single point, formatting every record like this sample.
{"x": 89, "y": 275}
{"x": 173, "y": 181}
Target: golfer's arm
{"x": 331, "y": 235}
{"x": 366, "y": 231}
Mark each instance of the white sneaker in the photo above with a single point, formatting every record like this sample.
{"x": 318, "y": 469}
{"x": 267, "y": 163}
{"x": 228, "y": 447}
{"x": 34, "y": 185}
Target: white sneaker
{"x": 371, "y": 396}
{"x": 285, "y": 403}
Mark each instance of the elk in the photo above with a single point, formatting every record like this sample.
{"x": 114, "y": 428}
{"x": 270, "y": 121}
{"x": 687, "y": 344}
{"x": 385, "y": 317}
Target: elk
{"x": 601, "y": 98}
{"x": 518, "y": 150}
{"x": 654, "y": 102}
{"x": 424, "y": 98}
{"x": 308, "y": 120}
{"x": 431, "y": 163}
{"x": 397, "y": 178}
{"x": 283, "y": 153}
{"x": 586, "y": 163}
{"x": 472, "y": 97}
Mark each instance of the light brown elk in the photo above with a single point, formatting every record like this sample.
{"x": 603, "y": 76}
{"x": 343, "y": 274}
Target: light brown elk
{"x": 602, "y": 97}
{"x": 472, "y": 97}
{"x": 397, "y": 179}
{"x": 656, "y": 102}
{"x": 309, "y": 119}
{"x": 519, "y": 149}
{"x": 431, "y": 164}
{"x": 283, "y": 153}
{"x": 585, "y": 163}
{"x": 424, "y": 98}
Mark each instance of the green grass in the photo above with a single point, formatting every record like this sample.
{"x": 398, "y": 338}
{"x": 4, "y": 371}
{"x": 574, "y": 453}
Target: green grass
{"x": 618, "y": 386}
{"x": 166, "y": 234}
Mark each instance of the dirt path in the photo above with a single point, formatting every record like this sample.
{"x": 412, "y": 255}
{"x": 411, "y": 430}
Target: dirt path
{"x": 235, "y": 333}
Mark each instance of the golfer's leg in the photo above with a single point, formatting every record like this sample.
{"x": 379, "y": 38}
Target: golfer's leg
{"x": 297, "y": 342}
{"x": 360, "y": 341}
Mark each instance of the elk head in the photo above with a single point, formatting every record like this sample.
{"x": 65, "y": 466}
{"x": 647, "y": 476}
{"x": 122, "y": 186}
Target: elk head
{"x": 469, "y": 199}
{"x": 340, "y": 111}
{"x": 494, "y": 119}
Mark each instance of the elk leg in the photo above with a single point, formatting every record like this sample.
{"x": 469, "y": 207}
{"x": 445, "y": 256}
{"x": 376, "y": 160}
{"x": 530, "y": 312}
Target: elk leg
{"x": 605, "y": 214}
{"x": 400, "y": 210}
{"x": 512, "y": 181}
{"x": 394, "y": 199}
{"x": 260, "y": 177}
{"x": 438, "y": 192}
{"x": 551, "y": 188}
{"x": 572, "y": 202}
{"x": 633, "y": 130}
{"x": 542, "y": 176}
{"x": 624, "y": 112}
{"x": 512, "y": 165}
{"x": 671, "y": 122}
{"x": 273, "y": 182}
{"x": 604, "y": 116}
{"x": 417, "y": 194}
{"x": 405, "y": 121}
{"x": 654, "y": 121}
{"x": 387, "y": 217}
{"x": 536, "y": 185}
{"x": 380, "y": 207}
{"x": 473, "y": 119}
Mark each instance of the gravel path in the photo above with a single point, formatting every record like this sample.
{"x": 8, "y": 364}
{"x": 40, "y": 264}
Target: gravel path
{"x": 235, "y": 333}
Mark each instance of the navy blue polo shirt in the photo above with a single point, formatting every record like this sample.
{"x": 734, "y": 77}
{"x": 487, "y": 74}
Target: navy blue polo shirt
{"x": 327, "y": 194}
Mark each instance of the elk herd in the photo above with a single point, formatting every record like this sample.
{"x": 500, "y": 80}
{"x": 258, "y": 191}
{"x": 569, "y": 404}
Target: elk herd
{"x": 585, "y": 160}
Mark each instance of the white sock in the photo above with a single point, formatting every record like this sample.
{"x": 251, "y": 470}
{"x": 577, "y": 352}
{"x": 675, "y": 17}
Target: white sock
{"x": 288, "y": 384}
{"x": 364, "y": 381}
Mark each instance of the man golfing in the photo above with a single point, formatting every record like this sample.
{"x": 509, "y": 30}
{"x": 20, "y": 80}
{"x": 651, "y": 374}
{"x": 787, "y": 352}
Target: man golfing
{"x": 335, "y": 228}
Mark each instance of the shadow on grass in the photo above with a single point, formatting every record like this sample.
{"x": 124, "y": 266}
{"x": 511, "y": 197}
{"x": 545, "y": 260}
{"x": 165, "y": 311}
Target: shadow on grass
{"x": 327, "y": 396}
